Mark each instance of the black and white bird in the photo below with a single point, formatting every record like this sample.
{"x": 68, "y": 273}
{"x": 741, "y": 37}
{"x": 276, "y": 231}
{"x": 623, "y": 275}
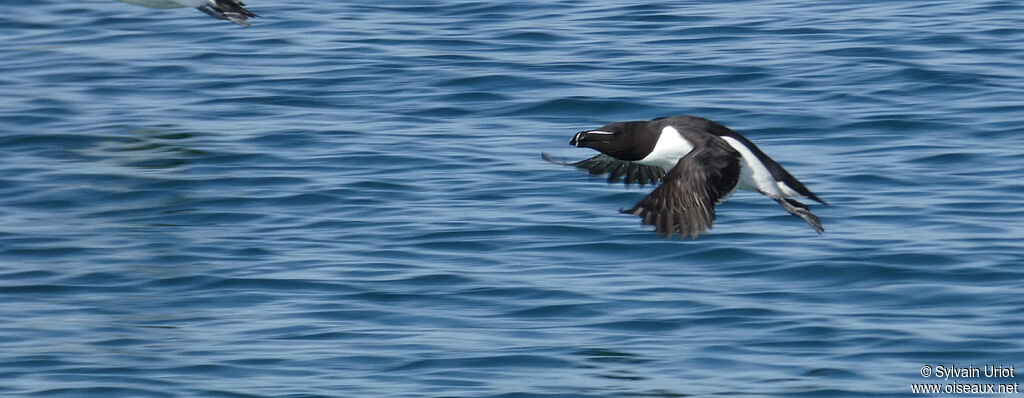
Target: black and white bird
{"x": 699, "y": 163}
{"x": 231, "y": 10}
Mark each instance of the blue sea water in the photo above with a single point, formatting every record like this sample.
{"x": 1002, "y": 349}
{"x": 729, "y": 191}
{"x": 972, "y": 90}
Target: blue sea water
{"x": 347, "y": 199}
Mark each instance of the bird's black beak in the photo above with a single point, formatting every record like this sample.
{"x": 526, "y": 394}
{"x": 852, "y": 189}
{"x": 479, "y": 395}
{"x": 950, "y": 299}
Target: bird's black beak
{"x": 578, "y": 138}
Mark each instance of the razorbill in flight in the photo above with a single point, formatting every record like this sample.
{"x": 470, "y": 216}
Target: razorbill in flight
{"x": 705, "y": 163}
{"x": 231, "y": 10}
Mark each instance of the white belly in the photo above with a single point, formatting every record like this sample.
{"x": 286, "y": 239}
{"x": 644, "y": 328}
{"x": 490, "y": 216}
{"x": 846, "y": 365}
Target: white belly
{"x": 754, "y": 176}
{"x": 671, "y": 147}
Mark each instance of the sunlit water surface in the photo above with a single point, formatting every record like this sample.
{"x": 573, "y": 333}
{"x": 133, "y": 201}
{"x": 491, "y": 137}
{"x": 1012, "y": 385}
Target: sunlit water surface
{"x": 349, "y": 199}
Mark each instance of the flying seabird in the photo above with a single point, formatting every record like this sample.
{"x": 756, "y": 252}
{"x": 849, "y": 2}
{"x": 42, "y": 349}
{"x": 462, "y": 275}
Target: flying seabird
{"x": 705, "y": 162}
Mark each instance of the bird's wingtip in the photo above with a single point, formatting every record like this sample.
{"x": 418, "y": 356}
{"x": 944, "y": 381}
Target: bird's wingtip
{"x": 545, "y": 156}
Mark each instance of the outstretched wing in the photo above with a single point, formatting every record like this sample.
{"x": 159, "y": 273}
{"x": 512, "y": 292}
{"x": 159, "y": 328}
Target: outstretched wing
{"x": 630, "y": 172}
{"x": 685, "y": 201}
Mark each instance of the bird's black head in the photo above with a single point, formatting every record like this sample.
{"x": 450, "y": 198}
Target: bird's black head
{"x": 621, "y": 140}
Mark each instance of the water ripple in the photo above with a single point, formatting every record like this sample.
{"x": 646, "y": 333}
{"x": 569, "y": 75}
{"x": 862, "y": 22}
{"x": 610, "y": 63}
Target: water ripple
{"x": 348, "y": 200}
